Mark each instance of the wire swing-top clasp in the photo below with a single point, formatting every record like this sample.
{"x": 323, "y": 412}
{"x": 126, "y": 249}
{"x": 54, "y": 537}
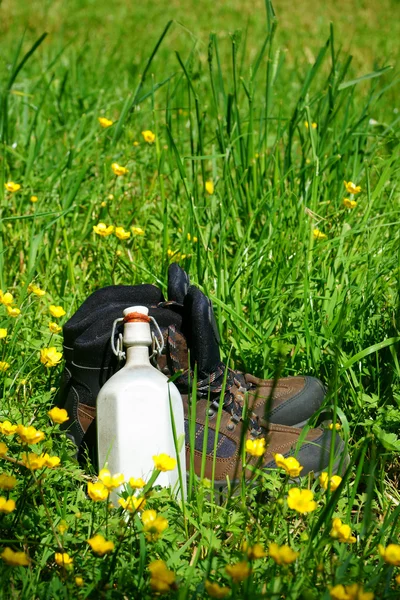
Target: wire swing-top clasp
{"x": 117, "y": 344}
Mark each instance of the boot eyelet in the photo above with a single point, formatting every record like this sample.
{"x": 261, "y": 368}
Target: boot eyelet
{"x": 211, "y": 413}
{"x": 231, "y": 426}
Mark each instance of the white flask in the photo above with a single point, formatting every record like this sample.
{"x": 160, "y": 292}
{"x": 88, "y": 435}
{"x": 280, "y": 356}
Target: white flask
{"x": 134, "y": 412}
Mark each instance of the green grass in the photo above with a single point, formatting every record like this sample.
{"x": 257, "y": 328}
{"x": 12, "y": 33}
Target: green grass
{"x": 228, "y": 108}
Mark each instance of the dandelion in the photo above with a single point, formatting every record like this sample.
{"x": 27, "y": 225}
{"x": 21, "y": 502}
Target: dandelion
{"x": 7, "y": 482}
{"x": 313, "y": 125}
{"x": 3, "y": 333}
{"x": 35, "y": 289}
{"x": 137, "y": 231}
{"x": 34, "y": 199}
{"x": 137, "y": 484}
{"x": 122, "y": 234}
{"x": 97, "y": 491}
{"x": 256, "y": 551}
{"x": 301, "y": 500}
{"x": 54, "y": 327}
{"x": 104, "y": 122}
{"x": 100, "y": 545}
{"x": 50, "y": 357}
{"x": 6, "y": 428}
{"x": 79, "y": 581}
{"x": 13, "y": 311}
{"x": 12, "y": 187}
{"x": 58, "y": 415}
{"x": 103, "y": 230}
{"x": 148, "y": 136}
{"x": 111, "y": 482}
{"x": 161, "y": 578}
{"x": 290, "y": 464}
{"x": 132, "y": 504}
{"x": 163, "y": 462}
{"x": 238, "y": 571}
{"x": 29, "y": 435}
{"x": 153, "y": 525}
{"x": 332, "y": 482}
{"x": 7, "y": 299}
{"x": 56, "y": 311}
{"x": 348, "y": 203}
{"x": 63, "y": 559}
{"x": 14, "y": 559}
{"x": 118, "y": 170}
{"x": 209, "y": 187}
{"x": 282, "y": 555}
{"x": 216, "y": 591}
{"x": 390, "y": 554}
{"x": 6, "y": 506}
{"x": 256, "y": 447}
{"x": 341, "y": 532}
{"x": 351, "y": 187}
{"x": 3, "y": 449}
{"x": 319, "y": 235}
{"x": 4, "y": 366}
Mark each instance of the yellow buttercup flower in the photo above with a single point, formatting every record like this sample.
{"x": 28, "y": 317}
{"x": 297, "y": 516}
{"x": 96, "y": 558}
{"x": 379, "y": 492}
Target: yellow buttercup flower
{"x": 103, "y": 230}
{"x": 111, "y": 482}
{"x": 79, "y": 581}
{"x": 390, "y": 554}
{"x": 97, "y": 491}
{"x": 34, "y": 199}
{"x": 7, "y": 429}
{"x": 33, "y": 461}
{"x": 153, "y": 525}
{"x": 7, "y": 482}
{"x": 14, "y": 559}
{"x": 354, "y": 591}
{"x": 56, "y": 311}
{"x": 161, "y": 578}
{"x": 348, "y": 203}
{"x": 209, "y": 187}
{"x": 122, "y": 234}
{"x": 132, "y": 504}
{"x": 13, "y": 311}
{"x": 163, "y": 462}
{"x": 54, "y": 327}
{"x": 50, "y": 461}
{"x": 256, "y": 447}
{"x": 6, "y": 506}
{"x": 136, "y": 143}
{"x": 100, "y": 545}
{"x": 352, "y": 188}
{"x": 338, "y": 426}
{"x": 29, "y": 435}
{"x": 282, "y": 555}
{"x": 50, "y": 357}
{"x": 148, "y": 136}
{"x": 313, "y": 125}
{"x": 3, "y": 449}
{"x": 290, "y": 464}
{"x": 35, "y": 289}
{"x": 3, "y": 333}
{"x": 63, "y": 559}
{"x": 104, "y": 122}
{"x": 12, "y": 187}
{"x": 342, "y": 532}
{"x": 216, "y": 591}
{"x": 63, "y": 527}
{"x": 118, "y": 170}
{"x": 7, "y": 299}
{"x": 256, "y": 551}
{"x": 58, "y": 415}
{"x": 4, "y": 366}
{"x": 332, "y": 482}
{"x": 319, "y": 235}
{"x": 301, "y": 500}
{"x": 238, "y": 571}
{"x": 137, "y": 484}
{"x": 137, "y": 231}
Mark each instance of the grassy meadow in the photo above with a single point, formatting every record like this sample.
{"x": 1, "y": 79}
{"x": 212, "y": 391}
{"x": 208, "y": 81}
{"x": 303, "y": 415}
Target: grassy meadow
{"x": 258, "y": 116}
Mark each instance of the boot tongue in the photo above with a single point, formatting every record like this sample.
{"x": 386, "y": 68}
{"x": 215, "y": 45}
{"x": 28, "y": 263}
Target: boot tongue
{"x": 178, "y": 283}
{"x": 201, "y": 332}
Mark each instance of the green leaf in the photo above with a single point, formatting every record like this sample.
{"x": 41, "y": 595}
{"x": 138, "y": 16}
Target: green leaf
{"x": 378, "y": 73}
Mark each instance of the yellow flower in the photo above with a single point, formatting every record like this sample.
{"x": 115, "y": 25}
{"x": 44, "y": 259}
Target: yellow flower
{"x": 136, "y": 143}
{"x": 34, "y": 199}
{"x": 49, "y": 357}
{"x": 397, "y": 579}
{"x": 342, "y": 532}
{"x": 6, "y": 506}
{"x": 290, "y": 464}
{"x": 118, "y": 170}
{"x": 148, "y": 136}
{"x": 153, "y": 525}
{"x": 352, "y": 188}
{"x": 79, "y": 581}
{"x": 318, "y": 235}
{"x": 103, "y": 230}
{"x": 50, "y": 461}
{"x": 3, "y": 333}
{"x": 132, "y": 504}
{"x": 33, "y": 461}
{"x": 216, "y": 591}
{"x": 14, "y": 559}
{"x": 63, "y": 559}
{"x": 313, "y": 125}
{"x": 97, "y": 491}
{"x": 350, "y": 592}
{"x": 4, "y": 366}
{"x": 30, "y": 435}
{"x": 338, "y": 426}
{"x": 3, "y": 449}
{"x": 111, "y": 482}
{"x": 58, "y": 415}
{"x": 137, "y": 483}
{"x": 35, "y": 289}
{"x": 137, "y": 231}
{"x": 104, "y": 122}
{"x": 12, "y": 187}
{"x": 54, "y": 327}
{"x": 256, "y": 551}
{"x": 7, "y": 482}
{"x": 7, "y": 429}
{"x": 256, "y": 447}
{"x": 63, "y": 526}
{"x": 122, "y": 234}
{"x": 100, "y": 545}
{"x": 390, "y": 554}
{"x": 161, "y": 578}
{"x": 13, "y": 311}
{"x": 7, "y": 299}
{"x": 333, "y": 482}
{"x": 282, "y": 555}
{"x": 163, "y": 462}
{"x": 56, "y": 311}
{"x": 209, "y": 187}
{"x": 301, "y": 500}
{"x": 238, "y": 571}
{"x": 349, "y": 203}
